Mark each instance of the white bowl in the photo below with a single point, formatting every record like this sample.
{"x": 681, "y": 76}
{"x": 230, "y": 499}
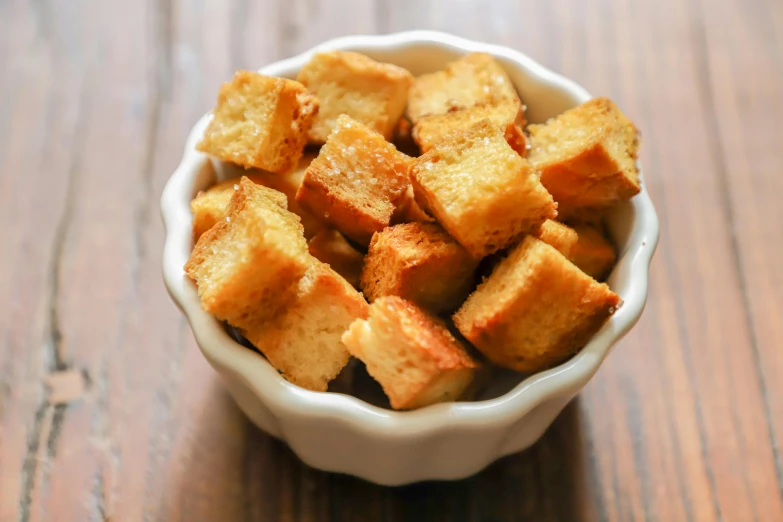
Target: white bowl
{"x": 340, "y": 433}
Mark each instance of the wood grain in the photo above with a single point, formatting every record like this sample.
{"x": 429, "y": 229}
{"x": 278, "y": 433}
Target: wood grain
{"x": 683, "y": 422}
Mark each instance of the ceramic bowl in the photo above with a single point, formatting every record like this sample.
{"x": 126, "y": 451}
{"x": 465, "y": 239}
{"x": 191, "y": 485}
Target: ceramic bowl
{"x": 341, "y": 433}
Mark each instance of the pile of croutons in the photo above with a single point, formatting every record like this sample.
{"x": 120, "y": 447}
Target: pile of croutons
{"x": 480, "y": 244}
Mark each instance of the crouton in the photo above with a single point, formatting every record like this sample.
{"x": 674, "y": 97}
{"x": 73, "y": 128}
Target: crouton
{"x": 331, "y": 247}
{"x": 535, "y": 310}
{"x": 408, "y": 211}
{"x": 593, "y": 254}
{"x": 421, "y": 263}
{"x": 210, "y": 206}
{"x": 507, "y": 114}
{"x": 260, "y": 122}
{"x": 356, "y": 181}
{"x": 474, "y": 79}
{"x": 411, "y": 354}
{"x": 303, "y": 341}
{"x": 587, "y": 157}
{"x": 257, "y": 232}
{"x": 288, "y": 183}
{"x": 558, "y": 235}
{"x": 370, "y": 92}
{"x": 482, "y": 192}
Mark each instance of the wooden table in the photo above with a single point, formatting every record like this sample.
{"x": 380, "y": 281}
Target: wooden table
{"x": 109, "y": 412}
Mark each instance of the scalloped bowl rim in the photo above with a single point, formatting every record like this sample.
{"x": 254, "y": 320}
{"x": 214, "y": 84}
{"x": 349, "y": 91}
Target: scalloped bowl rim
{"x": 284, "y": 398}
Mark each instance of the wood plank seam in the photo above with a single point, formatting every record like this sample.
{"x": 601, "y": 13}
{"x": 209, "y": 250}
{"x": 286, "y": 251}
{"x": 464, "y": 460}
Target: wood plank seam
{"x": 53, "y": 345}
{"x": 717, "y": 152}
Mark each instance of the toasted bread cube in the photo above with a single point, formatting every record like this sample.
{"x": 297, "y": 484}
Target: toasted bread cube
{"x": 370, "y": 92}
{"x": 535, "y": 310}
{"x": 260, "y": 122}
{"x": 330, "y": 247}
{"x": 507, "y": 114}
{"x": 482, "y": 192}
{"x": 408, "y": 211}
{"x": 421, "y": 263}
{"x": 356, "y": 181}
{"x": 411, "y": 354}
{"x": 474, "y": 79}
{"x": 558, "y": 235}
{"x": 593, "y": 253}
{"x": 304, "y": 341}
{"x": 245, "y": 264}
{"x": 210, "y": 206}
{"x": 587, "y": 157}
{"x": 288, "y": 183}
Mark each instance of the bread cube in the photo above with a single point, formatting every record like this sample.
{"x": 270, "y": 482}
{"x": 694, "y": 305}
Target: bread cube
{"x": 558, "y": 235}
{"x": 355, "y": 182}
{"x": 507, "y": 114}
{"x": 593, "y": 253}
{"x": 260, "y": 122}
{"x": 474, "y": 79}
{"x": 288, "y": 183}
{"x": 245, "y": 265}
{"x": 370, "y": 92}
{"x": 304, "y": 341}
{"x": 411, "y": 354}
{"x": 209, "y": 206}
{"x": 421, "y": 263}
{"x": 535, "y": 310}
{"x": 482, "y": 192}
{"x": 330, "y": 247}
{"x": 587, "y": 157}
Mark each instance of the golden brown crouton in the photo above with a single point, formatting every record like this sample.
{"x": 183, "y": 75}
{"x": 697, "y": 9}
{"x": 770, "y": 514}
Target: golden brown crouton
{"x": 560, "y": 236}
{"x": 260, "y": 122}
{"x": 210, "y": 206}
{"x": 593, "y": 253}
{"x": 331, "y": 247}
{"x": 408, "y": 211}
{"x": 587, "y": 157}
{"x": 370, "y": 92}
{"x": 288, "y": 183}
{"x": 507, "y": 114}
{"x": 303, "y": 341}
{"x": 410, "y": 353}
{"x": 421, "y": 263}
{"x": 257, "y": 232}
{"x": 474, "y": 79}
{"x": 535, "y": 310}
{"x": 482, "y": 192}
{"x": 356, "y": 181}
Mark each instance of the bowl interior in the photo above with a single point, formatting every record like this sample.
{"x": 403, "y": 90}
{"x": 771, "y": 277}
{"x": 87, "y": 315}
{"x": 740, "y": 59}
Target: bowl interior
{"x": 632, "y": 226}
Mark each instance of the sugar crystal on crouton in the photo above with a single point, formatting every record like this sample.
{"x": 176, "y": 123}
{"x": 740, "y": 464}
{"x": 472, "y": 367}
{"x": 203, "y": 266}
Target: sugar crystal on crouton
{"x": 356, "y": 181}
